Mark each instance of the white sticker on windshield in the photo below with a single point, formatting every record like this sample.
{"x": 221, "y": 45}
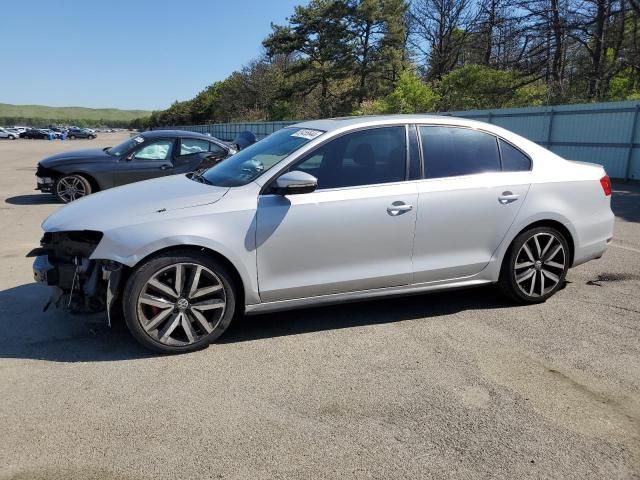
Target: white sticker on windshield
{"x": 139, "y": 139}
{"x": 307, "y": 133}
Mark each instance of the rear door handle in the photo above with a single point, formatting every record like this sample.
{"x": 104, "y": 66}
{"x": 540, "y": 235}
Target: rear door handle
{"x": 398, "y": 208}
{"x": 508, "y": 197}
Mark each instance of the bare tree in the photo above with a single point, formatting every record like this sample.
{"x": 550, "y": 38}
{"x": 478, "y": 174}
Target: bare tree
{"x": 545, "y": 25}
{"x": 440, "y": 30}
{"x": 599, "y": 26}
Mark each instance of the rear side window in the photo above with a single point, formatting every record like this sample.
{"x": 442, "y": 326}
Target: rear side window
{"x": 189, "y": 146}
{"x": 513, "y": 160}
{"x": 451, "y": 152}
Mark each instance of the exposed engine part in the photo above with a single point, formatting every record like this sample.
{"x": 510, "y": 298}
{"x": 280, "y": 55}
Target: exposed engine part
{"x": 63, "y": 262}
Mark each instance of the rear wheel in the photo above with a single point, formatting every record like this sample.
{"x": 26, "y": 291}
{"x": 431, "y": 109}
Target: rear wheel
{"x": 179, "y": 301}
{"x": 72, "y": 137}
{"x": 535, "y": 266}
{"x": 72, "y": 187}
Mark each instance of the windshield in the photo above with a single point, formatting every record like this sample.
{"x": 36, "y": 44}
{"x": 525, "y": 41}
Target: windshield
{"x": 125, "y": 146}
{"x": 248, "y": 164}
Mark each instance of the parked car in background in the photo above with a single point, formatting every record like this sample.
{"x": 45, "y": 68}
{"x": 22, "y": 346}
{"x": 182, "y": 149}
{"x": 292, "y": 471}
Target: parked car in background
{"x": 74, "y": 133}
{"x": 34, "y": 133}
{"x": 53, "y": 133}
{"x": 329, "y": 211}
{"x": 75, "y": 174}
{"x": 8, "y": 133}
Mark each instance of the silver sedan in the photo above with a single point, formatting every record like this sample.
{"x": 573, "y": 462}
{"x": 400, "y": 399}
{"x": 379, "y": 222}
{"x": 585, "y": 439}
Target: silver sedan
{"x": 328, "y": 211}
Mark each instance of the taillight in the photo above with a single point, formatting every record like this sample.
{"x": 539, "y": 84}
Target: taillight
{"x": 606, "y": 185}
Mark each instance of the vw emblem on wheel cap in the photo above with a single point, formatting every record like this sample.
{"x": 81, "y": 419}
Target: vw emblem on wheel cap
{"x": 182, "y": 304}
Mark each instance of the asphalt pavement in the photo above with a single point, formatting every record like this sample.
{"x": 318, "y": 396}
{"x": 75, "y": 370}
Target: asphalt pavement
{"x": 459, "y": 385}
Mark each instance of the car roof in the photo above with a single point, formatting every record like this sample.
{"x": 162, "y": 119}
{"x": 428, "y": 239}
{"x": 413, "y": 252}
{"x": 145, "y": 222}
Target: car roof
{"x": 339, "y": 123}
{"x": 175, "y": 133}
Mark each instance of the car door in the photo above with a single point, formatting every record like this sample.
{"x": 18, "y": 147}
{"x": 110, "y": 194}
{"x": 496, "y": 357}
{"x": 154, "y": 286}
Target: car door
{"x": 196, "y": 154}
{"x": 466, "y": 202}
{"x": 355, "y": 232}
{"x": 151, "y": 159}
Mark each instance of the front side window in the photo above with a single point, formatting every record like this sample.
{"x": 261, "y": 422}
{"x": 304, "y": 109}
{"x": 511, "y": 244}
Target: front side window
{"x": 366, "y": 157}
{"x": 189, "y": 146}
{"x": 248, "y": 164}
{"x": 452, "y": 151}
{"x": 154, "y": 151}
{"x": 123, "y": 147}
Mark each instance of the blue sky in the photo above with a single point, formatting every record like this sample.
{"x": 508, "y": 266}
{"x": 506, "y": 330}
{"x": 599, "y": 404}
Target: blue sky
{"x": 127, "y": 54}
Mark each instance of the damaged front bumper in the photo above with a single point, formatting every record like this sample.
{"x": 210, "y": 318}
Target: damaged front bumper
{"x": 45, "y": 179}
{"x": 80, "y": 284}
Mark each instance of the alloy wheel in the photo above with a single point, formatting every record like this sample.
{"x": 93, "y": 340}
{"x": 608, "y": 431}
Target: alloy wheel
{"x": 181, "y": 303}
{"x": 69, "y": 189}
{"x": 540, "y": 264}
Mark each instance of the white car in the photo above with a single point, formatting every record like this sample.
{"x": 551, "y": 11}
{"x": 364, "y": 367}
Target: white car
{"x": 329, "y": 211}
{"x": 7, "y": 133}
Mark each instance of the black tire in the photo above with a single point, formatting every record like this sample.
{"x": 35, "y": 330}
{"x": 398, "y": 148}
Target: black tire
{"x": 79, "y": 180}
{"x": 91, "y": 137}
{"x": 12, "y": 137}
{"x": 527, "y": 290}
{"x": 137, "y": 285}
{"x": 72, "y": 137}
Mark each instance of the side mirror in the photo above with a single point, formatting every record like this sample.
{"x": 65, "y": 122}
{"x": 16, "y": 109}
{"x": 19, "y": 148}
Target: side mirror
{"x": 296, "y": 182}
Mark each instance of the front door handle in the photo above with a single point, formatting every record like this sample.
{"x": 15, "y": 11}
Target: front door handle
{"x": 398, "y": 208}
{"x": 165, "y": 167}
{"x": 508, "y": 197}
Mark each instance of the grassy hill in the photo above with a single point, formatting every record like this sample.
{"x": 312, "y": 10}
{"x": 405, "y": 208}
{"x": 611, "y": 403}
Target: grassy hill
{"x": 70, "y": 113}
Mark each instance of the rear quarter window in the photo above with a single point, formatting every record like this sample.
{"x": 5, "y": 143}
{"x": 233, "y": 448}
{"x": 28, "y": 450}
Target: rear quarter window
{"x": 513, "y": 160}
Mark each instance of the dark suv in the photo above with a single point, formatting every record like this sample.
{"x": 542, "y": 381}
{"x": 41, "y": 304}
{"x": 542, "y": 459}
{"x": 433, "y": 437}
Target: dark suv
{"x": 80, "y": 133}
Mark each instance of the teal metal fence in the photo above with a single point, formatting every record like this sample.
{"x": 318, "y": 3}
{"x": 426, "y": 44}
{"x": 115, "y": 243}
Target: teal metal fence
{"x": 604, "y": 133}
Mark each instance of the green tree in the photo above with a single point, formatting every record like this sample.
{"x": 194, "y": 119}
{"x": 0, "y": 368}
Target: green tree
{"x": 378, "y": 42}
{"x": 319, "y": 38}
{"x": 478, "y": 87}
{"x": 411, "y": 95}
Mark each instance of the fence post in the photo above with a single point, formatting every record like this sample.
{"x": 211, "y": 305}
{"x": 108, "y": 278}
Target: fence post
{"x": 489, "y": 117}
{"x": 632, "y": 137}
{"x": 550, "y": 128}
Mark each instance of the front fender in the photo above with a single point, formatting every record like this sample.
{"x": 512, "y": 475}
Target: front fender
{"x": 131, "y": 245}
{"x": 104, "y": 179}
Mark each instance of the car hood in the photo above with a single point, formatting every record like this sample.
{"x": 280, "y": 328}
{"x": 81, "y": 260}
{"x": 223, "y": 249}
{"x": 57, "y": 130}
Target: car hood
{"x": 134, "y": 203}
{"x": 88, "y": 155}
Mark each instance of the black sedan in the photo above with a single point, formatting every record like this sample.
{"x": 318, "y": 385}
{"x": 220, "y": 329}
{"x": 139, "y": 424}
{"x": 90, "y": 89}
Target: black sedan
{"x": 74, "y": 174}
{"x": 34, "y": 133}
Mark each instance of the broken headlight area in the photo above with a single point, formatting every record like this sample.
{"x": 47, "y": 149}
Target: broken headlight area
{"x": 63, "y": 262}
{"x": 45, "y": 179}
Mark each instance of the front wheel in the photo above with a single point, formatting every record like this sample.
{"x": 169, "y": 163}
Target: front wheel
{"x": 535, "y": 266}
{"x": 72, "y": 187}
{"x": 179, "y": 301}
{"x": 72, "y": 137}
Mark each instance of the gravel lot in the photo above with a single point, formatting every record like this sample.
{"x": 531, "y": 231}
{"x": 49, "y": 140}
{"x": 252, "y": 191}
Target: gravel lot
{"x": 449, "y": 385}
